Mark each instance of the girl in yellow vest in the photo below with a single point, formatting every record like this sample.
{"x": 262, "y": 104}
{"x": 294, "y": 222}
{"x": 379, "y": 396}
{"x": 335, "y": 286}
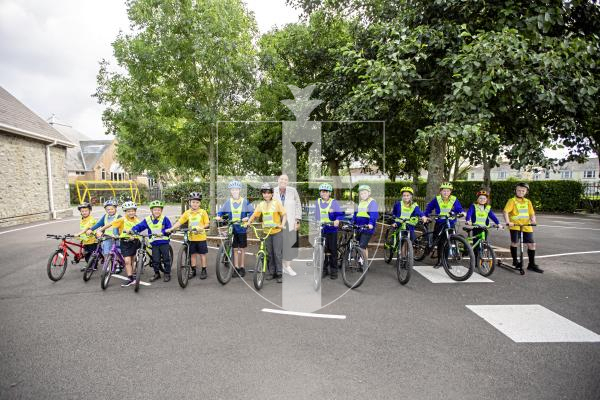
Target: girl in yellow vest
{"x": 273, "y": 219}
{"x": 443, "y": 204}
{"x": 366, "y": 214}
{"x": 480, "y": 213}
{"x": 407, "y": 209}
{"x": 128, "y": 247}
{"x": 88, "y": 240}
{"x": 197, "y": 219}
{"x": 519, "y": 211}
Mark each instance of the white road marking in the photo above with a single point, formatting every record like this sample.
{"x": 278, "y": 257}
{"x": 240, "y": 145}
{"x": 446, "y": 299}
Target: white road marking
{"x": 571, "y": 218}
{"x": 438, "y": 275}
{"x": 124, "y": 278}
{"x": 567, "y": 222}
{"x": 303, "y": 314}
{"x": 532, "y": 323}
{"x": 570, "y": 227}
{"x": 567, "y": 254}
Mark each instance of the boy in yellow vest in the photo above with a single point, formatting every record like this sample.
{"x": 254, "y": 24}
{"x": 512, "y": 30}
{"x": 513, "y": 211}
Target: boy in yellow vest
{"x": 88, "y": 240}
{"x": 366, "y": 214}
{"x": 198, "y": 222}
{"x": 443, "y": 204}
{"x": 328, "y": 210}
{"x": 128, "y": 246}
{"x": 157, "y": 224}
{"x": 407, "y": 209}
{"x": 519, "y": 211}
{"x": 273, "y": 220}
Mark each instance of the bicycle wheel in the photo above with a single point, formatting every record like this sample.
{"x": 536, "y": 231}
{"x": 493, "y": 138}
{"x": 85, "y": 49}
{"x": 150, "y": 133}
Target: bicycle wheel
{"x": 486, "y": 259}
{"x": 354, "y": 268}
{"x": 224, "y": 263}
{"x": 458, "y": 258}
{"x": 183, "y": 266}
{"x": 388, "y": 247}
{"x": 57, "y": 265}
{"x": 420, "y": 245}
{"x": 404, "y": 261}
{"x": 259, "y": 271}
{"x": 140, "y": 261}
{"x": 318, "y": 265}
{"x": 107, "y": 272}
{"x": 91, "y": 266}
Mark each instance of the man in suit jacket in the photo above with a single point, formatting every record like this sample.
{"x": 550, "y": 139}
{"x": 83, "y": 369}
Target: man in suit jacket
{"x": 291, "y": 201}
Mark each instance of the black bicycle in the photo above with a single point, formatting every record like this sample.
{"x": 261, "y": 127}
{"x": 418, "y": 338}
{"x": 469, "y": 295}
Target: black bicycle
{"x": 355, "y": 263}
{"x": 399, "y": 244}
{"x": 224, "y": 263}
{"x": 454, "y": 252}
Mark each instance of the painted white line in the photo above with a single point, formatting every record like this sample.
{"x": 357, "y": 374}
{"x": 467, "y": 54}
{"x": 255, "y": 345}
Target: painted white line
{"x": 503, "y": 249}
{"x": 35, "y": 226}
{"x": 532, "y": 323}
{"x": 567, "y": 222}
{"x": 570, "y": 227}
{"x": 438, "y": 275}
{"x": 571, "y": 218}
{"x": 303, "y": 314}
{"x": 568, "y": 254}
{"x": 124, "y": 278}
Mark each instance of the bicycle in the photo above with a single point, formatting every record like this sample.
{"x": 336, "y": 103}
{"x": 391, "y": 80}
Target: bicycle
{"x": 354, "y": 259}
{"x": 453, "y": 252}
{"x": 184, "y": 262}
{"x": 519, "y": 266}
{"x": 143, "y": 256}
{"x": 113, "y": 261}
{"x": 262, "y": 257}
{"x": 224, "y": 262}
{"x": 485, "y": 256}
{"x": 96, "y": 258}
{"x": 57, "y": 263}
{"x": 320, "y": 258}
{"x": 400, "y": 245}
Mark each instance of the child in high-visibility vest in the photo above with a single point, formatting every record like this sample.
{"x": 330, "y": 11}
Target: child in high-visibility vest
{"x": 157, "y": 224}
{"x": 366, "y": 214}
{"x": 407, "y": 209}
{"x": 480, "y": 213}
{"x": 443, "y": 204}
{"x": 237, "y": 209}
{"x": 519, "y": 211}
{"x": 327, "y": 211}
{"x": 88, "y": 240}
{"x": 110, "y": 206}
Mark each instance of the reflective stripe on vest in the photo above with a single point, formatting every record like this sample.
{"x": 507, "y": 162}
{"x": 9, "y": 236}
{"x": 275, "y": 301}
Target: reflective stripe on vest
{"x": 108, "y": 219}
{"x": 236, "y": 212}
{"x": 363, "y": 206}
{"x": 481, "y": 216}
{"x": 522, "y": 209}
{"x": 156, "y": 228}
{"x": 324, "y": 212}
{"x": 406, "y": 212}
{"x": 127, "y": 226}
{"x": 445, "y": 207}
{"x": 85, "y": 226}
{"x": 267, "y": 216}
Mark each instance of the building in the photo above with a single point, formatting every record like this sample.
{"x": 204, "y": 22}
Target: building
{"x": 32, "y": 166}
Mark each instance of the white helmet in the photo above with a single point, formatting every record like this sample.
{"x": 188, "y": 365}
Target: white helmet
{"x": 128, "y": 205}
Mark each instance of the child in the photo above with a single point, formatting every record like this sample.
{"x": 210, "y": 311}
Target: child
{"x": 237, "y": 209}
{"x": 273, "y": 220}
{"x": 366, "y": 214}
{"x": 443, "y": 204}
{"x": 406, "y": 209}
{"x": 128, "y": 247}
{"x": 157, "y": 224}
{"x": 88, "y": 240}
{"x": 519, "y": 211}
{"x": 480, "y": 213}
{"x": 328, "y": 210}
{"x": 198, "y": 221}
{"x": 110, "y": 206}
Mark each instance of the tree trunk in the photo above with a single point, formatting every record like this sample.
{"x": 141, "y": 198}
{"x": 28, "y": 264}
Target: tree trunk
{"x": 435, "y": 168}
{"x": 487, "y": 175}
{"x": 213, "y": 173}
{"x": 456, "y": 167}
{"x": 334, "y": 170}
{"x": 415, "y": 181}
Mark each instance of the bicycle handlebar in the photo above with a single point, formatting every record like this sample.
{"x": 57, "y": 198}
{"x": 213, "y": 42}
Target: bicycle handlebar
{"x": 471, "y": 227}
{"x": 60, "y": 237}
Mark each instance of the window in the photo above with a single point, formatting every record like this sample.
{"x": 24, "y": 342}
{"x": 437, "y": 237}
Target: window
{"x": 536, "y": 177}
{"x": 472, "y": 175}
{"x": 590, "y": 173}
{"x": 103, "y": 174}
{"x": 547, "y": 174}
{"x": 566, "y": 174}
{"x": 502, "y": 175}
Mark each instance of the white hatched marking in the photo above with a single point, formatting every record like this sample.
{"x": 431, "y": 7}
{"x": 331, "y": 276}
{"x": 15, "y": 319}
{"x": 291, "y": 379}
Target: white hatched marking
{"x": 438, "y": 275}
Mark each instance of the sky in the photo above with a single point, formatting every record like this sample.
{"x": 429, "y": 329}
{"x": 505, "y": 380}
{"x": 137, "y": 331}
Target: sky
{"x": 50, "y": 49}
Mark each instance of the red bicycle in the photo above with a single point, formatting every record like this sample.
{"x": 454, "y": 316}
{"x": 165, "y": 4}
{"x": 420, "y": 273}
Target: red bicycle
{"x": 57, "y": 263}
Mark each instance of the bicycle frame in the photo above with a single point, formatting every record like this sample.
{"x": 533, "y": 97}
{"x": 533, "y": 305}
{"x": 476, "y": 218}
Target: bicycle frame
{"x": 261, "y": 246}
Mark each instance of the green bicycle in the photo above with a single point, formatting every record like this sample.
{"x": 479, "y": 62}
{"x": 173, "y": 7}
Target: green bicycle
{"x": 262, "y": 260}
{"x": 398, "y": 243}
{"x": 485, "y": 257}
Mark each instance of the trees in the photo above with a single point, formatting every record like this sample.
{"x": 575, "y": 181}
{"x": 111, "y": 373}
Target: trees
{"x": 184, "y": 66}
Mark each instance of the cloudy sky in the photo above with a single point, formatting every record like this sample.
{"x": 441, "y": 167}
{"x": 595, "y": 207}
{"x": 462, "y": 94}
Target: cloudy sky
{"x": 50, "y": 51}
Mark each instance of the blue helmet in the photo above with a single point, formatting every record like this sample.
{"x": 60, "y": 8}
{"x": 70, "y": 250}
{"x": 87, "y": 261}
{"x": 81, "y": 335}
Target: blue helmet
{"x": 110, "y": 202}
{"x": 326, "y": 186}
{"x": 234, "y": 185}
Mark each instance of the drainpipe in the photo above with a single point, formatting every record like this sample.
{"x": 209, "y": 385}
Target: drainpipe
{"x": 50, "y": 189}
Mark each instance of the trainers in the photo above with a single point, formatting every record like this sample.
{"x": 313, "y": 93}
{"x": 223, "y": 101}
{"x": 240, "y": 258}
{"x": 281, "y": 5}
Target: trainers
{"x": 242, "y": 272}
{"x": 203, "y": 273}
{"x": 167, "y": 278}
{"x": 325, "y": 273}
{"x": 270, "y": 277}
{"x": 535, "y": 268}
{"x": 155, "y": 277}
{"x": 129, "y": 282}
{"x": 516, "y": 264}
{"x": 279, "y": 278}
{"x": 118, "y": 270}
{"x": 192, "y": 273}
{"x": 289, "y": 271}
{"x": 83, "y": 268}
{"x": 438, "y": 264}
{"x": 333, "y": 275}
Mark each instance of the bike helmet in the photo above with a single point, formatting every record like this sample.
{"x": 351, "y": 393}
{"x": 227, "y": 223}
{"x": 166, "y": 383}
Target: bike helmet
{"x": 522, "y": 184}
{"x": 446, "y": 185}
{"x": 407, "y": 189}
{"x": 234, "y": 185}
{"x": 326, "y": 186}
{"x": 266, "y": 187}
{"x": 364, "y": 187}
{"x": 110, "y": 202}
{"x": 483, "y": 193}
{"x": 129, "y": 205}
{"x": 156, "y": 203}
{"x": 85, "y": 205}
{"x": 195, "y": 196}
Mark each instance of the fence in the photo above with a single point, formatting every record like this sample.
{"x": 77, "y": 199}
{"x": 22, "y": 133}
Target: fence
{"x": 590, "y": 199}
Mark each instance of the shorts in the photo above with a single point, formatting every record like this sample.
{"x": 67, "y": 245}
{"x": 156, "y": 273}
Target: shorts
{"x": 240, "y": 240}
{"x": 363, "y": 239}
{"x": 88, "y": 249}
{"x": 128, "y": 248}
{"x": 527, "y": 237}
{"x": 198, "y": 247}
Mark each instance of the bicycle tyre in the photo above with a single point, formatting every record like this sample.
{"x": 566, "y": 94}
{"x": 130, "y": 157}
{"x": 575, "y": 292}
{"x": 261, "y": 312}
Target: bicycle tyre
{"x": 420, "y": 246}
{"x": 54, "y": 263}
{"x": 464, "y": 268}
{"x": 318, "y": 254}
{"x": 223, "y": 267}
{"x": 140, "y": 262}
{"x": 89, "y": 269}
{"x": 404, "y": 261}
{"x": 388, "y": 246}
{"x": 107, "y": 272}
{"x": 489, "y": 259}
{"x": 259, "y": 272}
{"x": 183, "y": 266}
{"x": 353, "y": 273}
